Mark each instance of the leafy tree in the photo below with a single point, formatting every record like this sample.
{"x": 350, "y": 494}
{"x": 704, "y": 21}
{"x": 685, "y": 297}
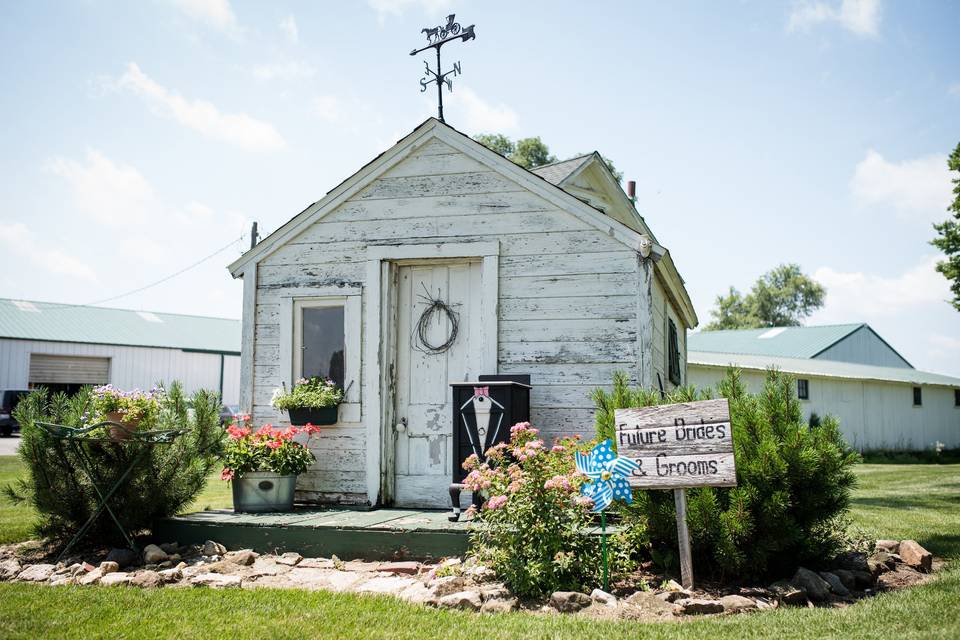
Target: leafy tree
{"x": 497, "y": 142}
{"x": 529, "y": 152}
{"x": 781, "y": 297}
{"x": 949, "y": 232}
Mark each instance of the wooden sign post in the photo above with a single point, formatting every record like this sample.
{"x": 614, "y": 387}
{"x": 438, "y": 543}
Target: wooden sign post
{"x": 679, "y": 446}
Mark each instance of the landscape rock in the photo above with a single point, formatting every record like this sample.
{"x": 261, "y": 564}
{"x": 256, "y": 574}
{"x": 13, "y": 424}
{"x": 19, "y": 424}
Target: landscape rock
{"x": 499, "y": 605}
{"x": 863, "y": 579}
{"x": 698, "y": 606}
{"x": 467, "y": 600}
{"x": 63, "y": 581}
{"x": 851, "y": 561}
{"x": 755, "y": 592}
{"x": 243, "y": 558}
{"x": 91, "y": 577}
{"x": 418, "y": 593}
{"x": 37, "y": 573}
{"x": 152, "y": 554}
{"x": 406, "y": 568}
{"x": 115, "y": 579}
{"x": 267, "y": 566}
{"x": 170, "y": 548}
{"x": 109, "y": 566}
{"x": 386, "y": 584}
{"x": 887, "y": 546}
{"x": 123, "y": 557}
{"x": 569, "y": 601}
{"x": 816, "y": 587}
{"x": 602, "y": 597}
{"x": 916, "y": 556}
{"x": 10, "y": 569}
{"x": 447, "y": 585}
{"x": 215, "y": 580}
{"x": 788, "y": 593}
{"x": 147, "y": 580}
{"x": 673, "y": 596}
{"x": 736, "y": 604}
{"x": 836, "y": 584}
{"x": 481, "y": 573}
{"x": 495, "y": 591}
{"x": 360, "y": 565}
{"x": 170, "y": 575}
{"x": 672, "y": 585}
{"x": 846, "y": 577}
{"x": 646, "y": 605}
{"x": 211, "y": 548}
{"x": 316, "y": 563}
{"x": 291, "y": 559}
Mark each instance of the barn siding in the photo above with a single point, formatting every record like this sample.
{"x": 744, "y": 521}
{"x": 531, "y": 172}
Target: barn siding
{"x": 567, "y": 309}
{"x": 872, "y": 414}
{"x": 130, "y": 367}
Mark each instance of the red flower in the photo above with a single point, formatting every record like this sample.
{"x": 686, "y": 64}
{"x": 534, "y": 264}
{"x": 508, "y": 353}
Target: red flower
{"x": 311, "y": 430}
{"x": 275, "y": 444}
{"x": 226, "y": 474}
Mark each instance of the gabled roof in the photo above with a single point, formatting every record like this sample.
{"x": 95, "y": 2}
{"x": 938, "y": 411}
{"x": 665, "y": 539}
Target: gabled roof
{"x": 51, "y": 322}
{"x": 434, "y": 129}
{"x": 789, "y": 342}
{"x": 811, "y": 367}
{"x": 557, "y": 172}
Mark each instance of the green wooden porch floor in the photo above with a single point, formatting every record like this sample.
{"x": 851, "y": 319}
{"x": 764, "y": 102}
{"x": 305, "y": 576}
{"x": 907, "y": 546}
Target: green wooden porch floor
{"x": 377, "y": 534}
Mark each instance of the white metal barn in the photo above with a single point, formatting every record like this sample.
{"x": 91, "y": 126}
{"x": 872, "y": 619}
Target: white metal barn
{"x": 847, "y": 371}
{"x": 63, "y": 347}
{"x": 552, "y": 273}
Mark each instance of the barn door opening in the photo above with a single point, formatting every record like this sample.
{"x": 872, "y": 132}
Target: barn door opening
{"x": 422, "y": 416}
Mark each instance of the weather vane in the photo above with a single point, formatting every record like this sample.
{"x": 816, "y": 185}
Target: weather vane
{"x": 437, "y": 37}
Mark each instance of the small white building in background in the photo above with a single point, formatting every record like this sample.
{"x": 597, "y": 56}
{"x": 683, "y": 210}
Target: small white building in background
{"x": 63, "y": 347}
{"x": 847, "y": 371}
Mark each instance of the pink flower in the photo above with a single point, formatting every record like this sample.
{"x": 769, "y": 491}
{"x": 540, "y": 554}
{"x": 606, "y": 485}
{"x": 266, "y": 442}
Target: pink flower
{"x": 557, "y": 449}
{"x": 226, "y": 474}
{"x": 558, "y": 482}
{"x": 495, "y": 503}
{"x": 471, "y": 462}
{"x": 470, "y": 512}
{"x": 583, "y": 501}
{"x": 275, "y": 444}
{"x": 311, "y": 430}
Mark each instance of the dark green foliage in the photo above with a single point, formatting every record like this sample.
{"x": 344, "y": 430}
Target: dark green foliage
{"x": 526, "y": 152}
{"x": 793, "y": 492}
{"x": 781, "y": 297}
{"x": 949, "y": 234}
{"x": 902, "y": 456}
{"x": 162, "y": 484}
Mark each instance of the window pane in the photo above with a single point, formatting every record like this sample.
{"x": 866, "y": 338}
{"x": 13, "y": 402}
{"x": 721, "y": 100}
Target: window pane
{"x": 803, "y": 389}
{"x": 917, "y": 396}
{"x": 323, "y": 348}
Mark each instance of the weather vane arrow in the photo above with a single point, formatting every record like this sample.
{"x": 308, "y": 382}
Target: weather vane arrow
{"x": 437, "y": 37}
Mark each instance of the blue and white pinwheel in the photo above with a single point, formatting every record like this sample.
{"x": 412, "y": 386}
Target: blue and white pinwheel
{"x": 606, "y": 476}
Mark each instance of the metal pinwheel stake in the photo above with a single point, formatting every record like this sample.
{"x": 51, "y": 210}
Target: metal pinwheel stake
{"x": 606, "y": 481}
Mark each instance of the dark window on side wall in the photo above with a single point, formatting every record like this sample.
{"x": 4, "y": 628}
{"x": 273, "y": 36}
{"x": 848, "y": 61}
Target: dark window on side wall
{"x": 956, "y": 397}
{"x": 323, "y": 343}
{"x": 673, "y": 345}
{"x": 803, "y": 389}
{"x": 917, "y": 397}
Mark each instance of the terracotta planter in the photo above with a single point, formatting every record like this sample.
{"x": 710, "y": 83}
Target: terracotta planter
{"x": 121, "y": 433}
{"x": 263, "y": 492}
{"x": 321, "y": 416}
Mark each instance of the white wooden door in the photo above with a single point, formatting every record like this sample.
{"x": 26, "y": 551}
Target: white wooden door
{"x": 423, "y": 413}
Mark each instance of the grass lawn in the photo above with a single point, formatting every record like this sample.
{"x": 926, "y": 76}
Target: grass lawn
{"x": 896, "y": 501}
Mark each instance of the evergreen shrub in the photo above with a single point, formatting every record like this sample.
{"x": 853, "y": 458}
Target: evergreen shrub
{"x": 792, "y": 497}
{"x": 165, "y": 481}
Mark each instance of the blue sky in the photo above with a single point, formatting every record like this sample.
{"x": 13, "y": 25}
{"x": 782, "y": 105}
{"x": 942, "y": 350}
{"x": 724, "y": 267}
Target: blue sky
{"x": 142, "y": 137}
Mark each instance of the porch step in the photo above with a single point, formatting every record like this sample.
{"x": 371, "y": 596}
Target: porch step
{"x": 378, "y": 534}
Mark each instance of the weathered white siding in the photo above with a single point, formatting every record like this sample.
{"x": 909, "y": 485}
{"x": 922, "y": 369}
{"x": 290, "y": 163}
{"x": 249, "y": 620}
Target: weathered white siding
{"x": 863, "y": 346}
{"x": 567, "y": 292}
{"x": 130, "y": 367}
{"x": 663, "y": 310}
{"x": 872, "y": 415}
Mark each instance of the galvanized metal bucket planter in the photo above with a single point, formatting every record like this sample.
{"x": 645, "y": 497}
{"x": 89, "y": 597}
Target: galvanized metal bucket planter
{"x": 263, "y": 492}
{"x": 310, "y": 415}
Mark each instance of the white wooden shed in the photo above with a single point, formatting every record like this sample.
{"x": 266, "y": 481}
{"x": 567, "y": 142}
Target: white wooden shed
{"x": 552, "y": 273}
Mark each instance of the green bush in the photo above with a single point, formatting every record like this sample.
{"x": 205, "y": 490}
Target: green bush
{"x": 532, "y": 524}
{"x": 312, "y": 393}
{"x": 167, "y": 479}
{"x": 793, "y": 483}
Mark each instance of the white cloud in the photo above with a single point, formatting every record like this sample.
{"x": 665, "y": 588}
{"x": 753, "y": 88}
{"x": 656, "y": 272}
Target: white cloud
{"x": 109, "y": 193}
{"x": 954, "y": 89}
{"x": 861, "y": 17}
{"x": 216, "y": 13}
{"x": 238, "y": 129}
{"x": 386, "y": 8}
{"x": 20, "y": 240}
{"x": 289, "y": 28}
{"x": 918, "y": 187}
{"x": 857, "y": 296}
{"x": 473, "y": 114}
{"x": 327, "y": 107}
{"x": 289, "y": 70}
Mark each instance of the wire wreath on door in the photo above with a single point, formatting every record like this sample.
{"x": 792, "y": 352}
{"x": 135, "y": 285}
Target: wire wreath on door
{"x": 439, "y": 309}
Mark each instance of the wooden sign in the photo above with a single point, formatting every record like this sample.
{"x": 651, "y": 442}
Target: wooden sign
{"x": 679, "y": 446}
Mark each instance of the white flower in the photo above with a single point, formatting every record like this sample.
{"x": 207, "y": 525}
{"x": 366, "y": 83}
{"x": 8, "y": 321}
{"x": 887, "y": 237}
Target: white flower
{"x": 276, "y": 394}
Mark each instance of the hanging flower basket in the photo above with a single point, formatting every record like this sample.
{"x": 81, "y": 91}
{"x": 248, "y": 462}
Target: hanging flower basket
{"x": 309, "y": 415}
{"x": 311, "y": 401}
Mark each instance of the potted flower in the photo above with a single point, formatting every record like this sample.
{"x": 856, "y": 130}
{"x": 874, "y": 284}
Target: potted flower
{"x": 263, "y": 465}
{"x": 313, "y": 401}
{"x": 128, "y": 410}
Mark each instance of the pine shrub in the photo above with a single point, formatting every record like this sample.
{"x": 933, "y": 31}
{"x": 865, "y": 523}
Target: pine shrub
{"x": 793, "y": 488}
{"x": 165, "y": 481}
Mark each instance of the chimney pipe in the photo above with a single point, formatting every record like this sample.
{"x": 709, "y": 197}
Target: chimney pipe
{"x": 632, "y": 190}
{"x": 254, "y": 236}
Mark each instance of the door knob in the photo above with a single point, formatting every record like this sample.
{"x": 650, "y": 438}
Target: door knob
{"x": 401, "y": 426}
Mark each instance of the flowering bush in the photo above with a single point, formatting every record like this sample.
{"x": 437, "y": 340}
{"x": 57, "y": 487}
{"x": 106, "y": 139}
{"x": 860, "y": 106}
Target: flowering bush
{"x": 532, "y": 524}
{"x": 312, "y": 393}
{"x": 134, "y": 406}
{"x": 266, "y": 449}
